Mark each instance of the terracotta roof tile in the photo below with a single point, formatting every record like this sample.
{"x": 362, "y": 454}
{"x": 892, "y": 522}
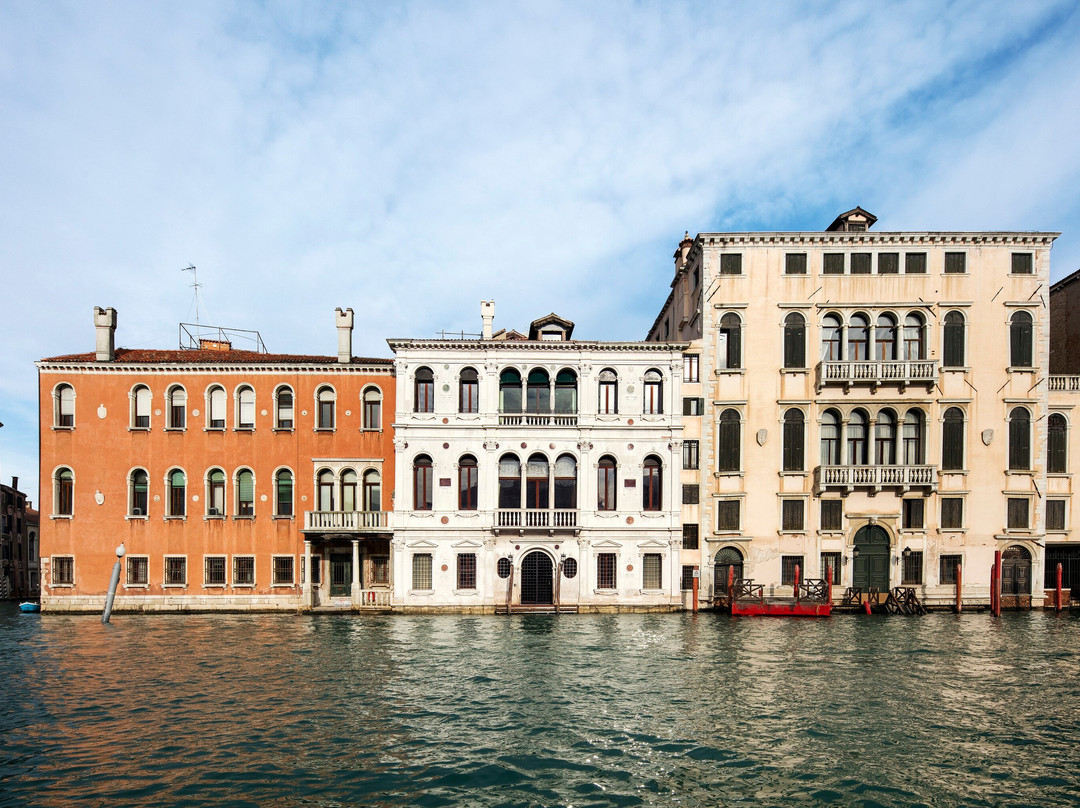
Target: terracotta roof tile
{"x": 152, "y": 356}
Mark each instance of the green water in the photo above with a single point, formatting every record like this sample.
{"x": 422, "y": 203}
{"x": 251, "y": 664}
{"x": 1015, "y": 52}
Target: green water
{"x": 578, "y": 710}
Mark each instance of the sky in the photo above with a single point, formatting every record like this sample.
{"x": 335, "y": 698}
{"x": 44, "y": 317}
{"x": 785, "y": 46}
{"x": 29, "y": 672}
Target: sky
{"x": 411, "y": 159}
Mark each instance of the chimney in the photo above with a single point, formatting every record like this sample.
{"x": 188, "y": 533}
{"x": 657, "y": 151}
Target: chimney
{"x": 105, "y": 326}
{"x": 683, "y": 251}
{"x": 344, "y": 335}
{"x": 487, "y": 314}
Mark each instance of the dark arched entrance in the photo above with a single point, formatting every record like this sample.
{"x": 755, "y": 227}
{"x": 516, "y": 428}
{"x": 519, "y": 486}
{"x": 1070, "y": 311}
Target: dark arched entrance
{"x": 728, "y": 558}
{"x": 871, "y": 564}
{"x": 1015, "y": 571}
{"x": 537, "y": 579}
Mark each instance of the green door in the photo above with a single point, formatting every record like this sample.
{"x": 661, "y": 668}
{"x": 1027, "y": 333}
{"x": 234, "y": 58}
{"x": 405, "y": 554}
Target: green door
{"x": 340, "y": 575}
{"x": 871, "y": 567}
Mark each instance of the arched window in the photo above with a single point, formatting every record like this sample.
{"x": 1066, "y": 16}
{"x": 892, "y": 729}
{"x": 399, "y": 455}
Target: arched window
{"x": 177, "y": 498}
{"x": 952, "y": 440}
{"x": 509, "y": 482}
{"x": 372, "y": 491}
{"x": 566, "y": 482}
{"x": 424, "y": 390}
{"x": 215, "y": 493}
{"x": 422, "y": 483}
{"x": 914, "y": 455}
{"x": 654, "y": 392}
{"x": 651, "y": 488}
{"x": 372, "y": 408}
{"x": 1019, "y": 439}
{"x": 536, "y": 482}
{"x": 325, "y": 485}
{"x": 467, "y": 483}
{"x": 729, "y": 345}
{"x": 794, "y": 341}
{"x": 139, "y": 493}
{"x": 609, "y": 392}
{"x": 885, "y": 438}
{"x": 176, "y": 407}
{"x": 832, "y": 338}
{"x": 914, "y": 337}
{"x": 140, "y": 407}
{"x": 538, "y": 392}
{"x": 510, "y": 391}
{"x": 1056, "y": 442}
{"x": 216, "y": 406}
{"x": 793, "y": 441}
{"x": 64, "y": 483}
{"x": 348, "y": 490}
{"x": 245, "y": 493}
{"x": 566, "y": 392}
{"x": 245, "y": 408}
{"x": 885, "y": 338}
{"x": 830, "y": 438}
{"x": 326, "y": 401}
{"x": 729, "y": 441}
{"x": 469, "y": 391}
{"x": 1021, "y": 340}
{"x": 952, "y": 341}
{"x": 858, "y": 338}
{"x": 284, "y": 403}
{"x": 857, "y": 429}
{"x": 64, "y": 406}
{"x": 283, "y": 493}
{"x": 607, "y": 488}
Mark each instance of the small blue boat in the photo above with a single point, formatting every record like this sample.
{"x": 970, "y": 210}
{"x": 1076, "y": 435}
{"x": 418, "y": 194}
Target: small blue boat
{"x": 30, "y": 606}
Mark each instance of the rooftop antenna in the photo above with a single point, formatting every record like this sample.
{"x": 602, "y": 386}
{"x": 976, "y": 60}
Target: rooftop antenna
{"x": 194, "y": 285}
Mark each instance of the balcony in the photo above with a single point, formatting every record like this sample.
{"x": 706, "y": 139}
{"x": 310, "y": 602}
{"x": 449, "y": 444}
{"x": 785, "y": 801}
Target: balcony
{"x": 875, "y": 477}
{"x": 538, "y": 419}
{"x": 1064, "y": 384}
{"x": 537, "y": 518}
{"x": 346, "y": 521}
{"x": 873, "y": 373}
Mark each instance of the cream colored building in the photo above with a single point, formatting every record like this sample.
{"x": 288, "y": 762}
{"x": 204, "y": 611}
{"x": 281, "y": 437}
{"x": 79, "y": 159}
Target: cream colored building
{"x": 873, "y": 401}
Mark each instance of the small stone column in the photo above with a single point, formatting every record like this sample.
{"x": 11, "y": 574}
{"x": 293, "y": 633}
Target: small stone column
{"x": 356, "y": 572}
{"x": 305, "y": 595}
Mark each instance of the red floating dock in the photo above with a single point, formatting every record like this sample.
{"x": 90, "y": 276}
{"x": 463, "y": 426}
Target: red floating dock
{"x": 780, "y": 608}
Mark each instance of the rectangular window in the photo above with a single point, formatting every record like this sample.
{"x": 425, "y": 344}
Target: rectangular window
{"x": 243, "y": 570}
{"x": 651, "y": 571}
{"x": 833, "y": 264}
{"x": 175, "y": 571}
{"x": 952, "y": 513}
{"x": 727, "y": 515}
{"x": 1018, "y": 513}
{"x": 1055, "y": 514}
{"x": 380, "y": 569}
{"x": 605, "y": 571}
{"x": 138, "y": 571}
{"x": 283, "y": 570}
{"x": 690, "y": 364}
{"x": 691, "y": 494}
{"x": 731, "y": 264}
{"x": 690, "y": 454}
{"x": 914, "y": 263}
{"x": 316, "y": 570}
{"x": 687, "y": 582}
{"x": 693, "y": 406}
{"x": 888, "y": 263}
{"x": 1022, "y": 264}
{"x": 955, "y": 263}
{"x": 787, "y": 569}
{"x": 860, "y": 263}
{"x": 63, "y": 570}
{"x": 690, "y": 537}
{"x": 914, "y": 514}
{"x": 421, "y": 571}
{"x": 913, "y": 567}
{"x": 948, "y": 567}
{"x": 214, "y": 571}
{"x": 466, "y": 571}
{"x": 792, "y": 514}
{"x": 795, "y": 264}
{"x": 832, "y": 514}
{"x": 830, "y": 562}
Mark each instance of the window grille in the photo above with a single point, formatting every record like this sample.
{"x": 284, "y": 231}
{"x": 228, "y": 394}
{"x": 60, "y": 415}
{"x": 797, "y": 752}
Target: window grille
{"x": 690, "y": 537}
{"x": 831, "y": 562}
{"x": 947, "y": 568}
{"x": 569, "y": 568}
{"x": 651, "y": 571}
{"x": 176, "y": 570}
{"x": 466, "y": 571}
{"x": 690, "y": 454}
{"x": 421, "y": 571}
{"x": 283, "y": 570}
{"x": 605, "y": 571}
{"x": 243, "y": 570}
{"x": 63, "y": 570}
{"x": 138, "y": 571}
{"x": 787, "y": 569}
{"x": 913, "y": 568}
{"x": 687, "y": 582}
{"x": 214, "y": 571}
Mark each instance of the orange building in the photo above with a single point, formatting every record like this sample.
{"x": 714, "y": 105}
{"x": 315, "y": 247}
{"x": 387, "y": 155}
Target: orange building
{"x": 226, "y": 474}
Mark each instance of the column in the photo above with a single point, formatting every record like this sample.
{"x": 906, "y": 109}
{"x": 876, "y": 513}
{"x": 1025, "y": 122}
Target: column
{"x": 356, "y": 572}
{"x": 305, "y": 595}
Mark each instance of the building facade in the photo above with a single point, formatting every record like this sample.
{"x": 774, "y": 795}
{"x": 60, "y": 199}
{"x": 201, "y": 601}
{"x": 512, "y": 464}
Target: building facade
{"x": 875, "y": 403}
{"x": 18, "y": 544}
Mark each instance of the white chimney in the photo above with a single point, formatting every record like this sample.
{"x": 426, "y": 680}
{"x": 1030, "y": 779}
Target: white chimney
{"x": 487, "y": 313}
{"x": 105, "y": 328}
{"x": 344, "y": 335}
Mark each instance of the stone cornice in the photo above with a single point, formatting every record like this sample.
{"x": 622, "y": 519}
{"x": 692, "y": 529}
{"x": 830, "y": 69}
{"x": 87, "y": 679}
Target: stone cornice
{"x": 493, "y": 346}
{"x": 202, "y": 368}
{"x": 1027, "y": 239}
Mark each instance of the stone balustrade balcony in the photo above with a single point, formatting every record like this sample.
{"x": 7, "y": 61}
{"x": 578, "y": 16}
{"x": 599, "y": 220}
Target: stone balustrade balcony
{"x": 346, "y": 522}
{"x": 537, "y": 518}
{"x": 877, "y": 372}
{"x": 875, "y": 477}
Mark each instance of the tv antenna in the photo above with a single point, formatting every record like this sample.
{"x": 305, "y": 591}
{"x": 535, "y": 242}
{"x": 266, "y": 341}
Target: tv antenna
{"x": 194, "y": 285}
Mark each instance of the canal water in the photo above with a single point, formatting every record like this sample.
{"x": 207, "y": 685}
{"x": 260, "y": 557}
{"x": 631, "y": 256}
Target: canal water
{"x": 579, "y": 710}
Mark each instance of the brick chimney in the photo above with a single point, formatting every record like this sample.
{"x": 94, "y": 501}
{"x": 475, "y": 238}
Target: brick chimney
{"x": 105, "y": 328}
{"x": 344, "y": 321}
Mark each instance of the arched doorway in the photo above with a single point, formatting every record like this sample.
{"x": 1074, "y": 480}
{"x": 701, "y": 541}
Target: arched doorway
{"x": 1015, "y": 572}
{"x": 726, "y": 559}
{"x": 871, "y": 558}
{"x": 537, "y": 579}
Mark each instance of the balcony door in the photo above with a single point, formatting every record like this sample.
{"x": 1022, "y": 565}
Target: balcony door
{"x": 871, "y": 566}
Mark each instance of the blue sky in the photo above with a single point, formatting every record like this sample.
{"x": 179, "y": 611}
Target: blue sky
{"x": 411, "y": 159}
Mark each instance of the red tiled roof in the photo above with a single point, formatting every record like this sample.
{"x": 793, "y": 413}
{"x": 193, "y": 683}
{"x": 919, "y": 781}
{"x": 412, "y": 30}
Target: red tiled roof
{"x": 152, "y": 356}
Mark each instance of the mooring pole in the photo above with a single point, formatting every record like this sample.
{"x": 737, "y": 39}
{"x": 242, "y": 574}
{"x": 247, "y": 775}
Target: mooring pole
{"x": 731, "y": 585}
{"x": 997, "y": 583}
{"x": 1059, "y": 586}
{"x": 796, "y": 583}
{"x": 697, "y": 578}
{"x": 959, "y": 586}
{"x": 828, "y": 584}
{"x": 105, "y": 615}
